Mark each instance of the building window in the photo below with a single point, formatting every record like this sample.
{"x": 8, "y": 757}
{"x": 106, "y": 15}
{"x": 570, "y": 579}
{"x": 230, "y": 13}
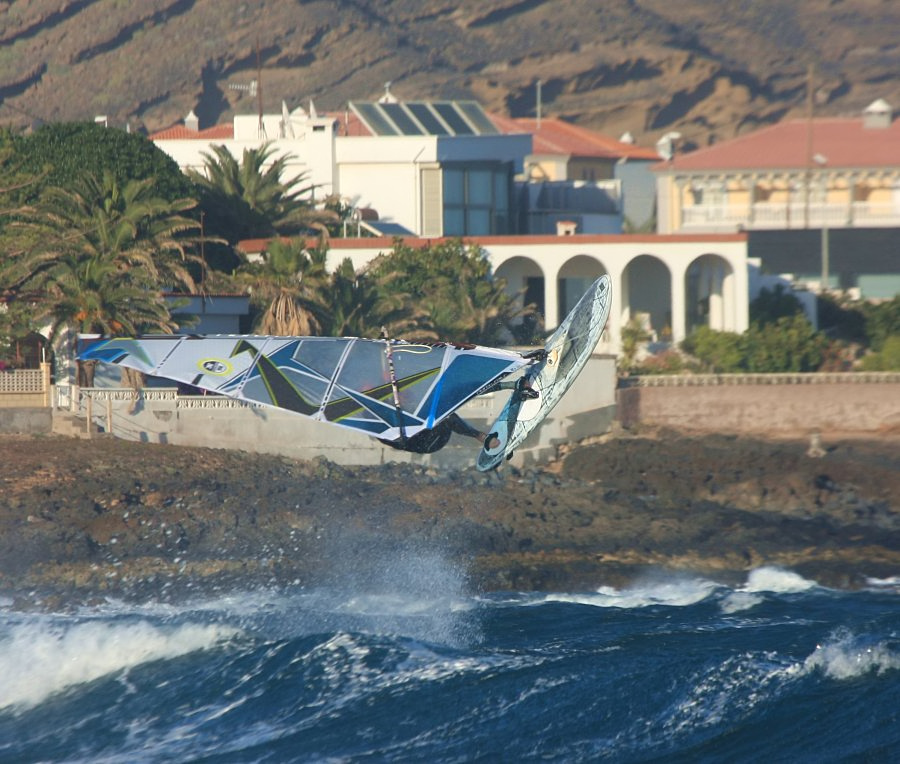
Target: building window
{"x": 476, "y": 199}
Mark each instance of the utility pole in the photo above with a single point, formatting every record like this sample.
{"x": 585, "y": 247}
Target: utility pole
{"x": 809, "y": 142}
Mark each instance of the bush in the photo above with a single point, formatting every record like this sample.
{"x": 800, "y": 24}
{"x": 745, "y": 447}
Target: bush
{"x": 668, "y": 361}
{"x": 887, "y": 359}
{"x": 790, "y": 344}
{"x": 717, "y": 352}
{"x": 771, "y": 305}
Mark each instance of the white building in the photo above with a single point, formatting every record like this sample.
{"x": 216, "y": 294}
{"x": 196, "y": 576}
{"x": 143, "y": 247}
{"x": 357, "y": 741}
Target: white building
{"x": 433, "y": 169}
{"x": 673, "y": 283}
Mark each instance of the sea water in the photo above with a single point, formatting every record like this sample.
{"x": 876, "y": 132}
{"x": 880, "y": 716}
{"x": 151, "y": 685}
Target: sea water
{"x": 411, "y": 667}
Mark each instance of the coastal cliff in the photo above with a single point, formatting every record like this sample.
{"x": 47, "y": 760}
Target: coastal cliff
{"x": 83, "y": 520}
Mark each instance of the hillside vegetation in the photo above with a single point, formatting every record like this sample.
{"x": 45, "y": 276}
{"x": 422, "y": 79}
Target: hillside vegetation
{"x": 708, "y": 68}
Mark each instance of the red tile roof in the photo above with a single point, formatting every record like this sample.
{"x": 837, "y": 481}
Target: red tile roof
{"x": 556, "y": 136}
{"x": 181, "y": 133}
{"x": 841, "y": 142}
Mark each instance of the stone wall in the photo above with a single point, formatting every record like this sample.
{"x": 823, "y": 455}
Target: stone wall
{"x": 765, "y": 403}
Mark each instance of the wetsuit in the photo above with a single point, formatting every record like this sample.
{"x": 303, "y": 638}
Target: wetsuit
{"x": 429, "y": 441}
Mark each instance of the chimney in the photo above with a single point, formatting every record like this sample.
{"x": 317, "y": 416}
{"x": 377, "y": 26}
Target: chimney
{"x": 878, "y": 115}
{"x": 191, "y": 122}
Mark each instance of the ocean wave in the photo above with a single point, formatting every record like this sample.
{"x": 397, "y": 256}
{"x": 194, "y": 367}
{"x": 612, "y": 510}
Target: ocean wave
{"x": 678, "y": 592}
{"x": 846, "y": 655}
{"x": 39, "y": 658}
{"x": 771, "y": 578}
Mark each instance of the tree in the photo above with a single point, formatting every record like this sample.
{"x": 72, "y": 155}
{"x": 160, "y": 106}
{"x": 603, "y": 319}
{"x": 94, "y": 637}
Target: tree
{"x": 772, "y": 304}
{"x": 882, "y": 321}
{"x": 633, "y": 334}
{"x": 886, "y": 359}
{"x": 791, "y": 344}
{"x": 90, "y": 295}
{"x": 288, "y": 288}
{"x": 373, "y": 302}
{"x": 104, "y": 255}
{"x": 717, "y": 352}
{"x": 57, "y": 154}
{"x": 250, "y": 200}
{"x": 148, "y": 238}
{"x": 454, "y": 286}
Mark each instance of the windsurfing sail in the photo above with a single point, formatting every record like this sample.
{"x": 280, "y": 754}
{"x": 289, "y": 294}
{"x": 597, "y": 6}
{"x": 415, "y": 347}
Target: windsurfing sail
{"x": 565, "y": 355}
{"x": 390, "y": 389}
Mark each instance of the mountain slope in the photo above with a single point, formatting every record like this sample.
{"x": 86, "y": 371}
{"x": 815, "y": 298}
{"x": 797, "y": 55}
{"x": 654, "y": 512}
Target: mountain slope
{"x": 708, "y": 68}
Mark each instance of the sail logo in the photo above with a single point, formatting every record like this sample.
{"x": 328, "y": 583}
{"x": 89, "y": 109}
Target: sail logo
{"x": 214, "y": 366}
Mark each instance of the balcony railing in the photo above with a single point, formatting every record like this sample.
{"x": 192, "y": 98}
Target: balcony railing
{"x": 768, "y": 215}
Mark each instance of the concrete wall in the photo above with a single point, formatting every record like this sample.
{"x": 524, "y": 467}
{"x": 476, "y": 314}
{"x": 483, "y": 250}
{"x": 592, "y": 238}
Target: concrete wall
{"x": 159, "y": 416}
{"x": 26, "y": 420}
{"x": 847, "y": 403}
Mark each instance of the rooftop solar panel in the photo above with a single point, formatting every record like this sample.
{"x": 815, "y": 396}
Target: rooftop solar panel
{"x": 448, "y": 112}
{"x": 477, "y": 117}
{"x": 399, "y": 117}
{"x": 427, "y": 118}
{"x": 373, "y": 118}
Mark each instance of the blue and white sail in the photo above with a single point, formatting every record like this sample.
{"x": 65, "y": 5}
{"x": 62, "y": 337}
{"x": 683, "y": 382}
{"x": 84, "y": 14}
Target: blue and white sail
{"x": 387, "y": 388}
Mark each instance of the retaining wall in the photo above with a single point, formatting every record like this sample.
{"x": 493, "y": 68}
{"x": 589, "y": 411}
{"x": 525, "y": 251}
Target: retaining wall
{"x": 26, "y": 420}
{"x": 764, "y": 403}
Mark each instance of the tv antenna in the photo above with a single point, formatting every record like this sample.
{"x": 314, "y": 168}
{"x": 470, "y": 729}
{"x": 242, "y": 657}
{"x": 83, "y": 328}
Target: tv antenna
{"x": 254, "y": 89}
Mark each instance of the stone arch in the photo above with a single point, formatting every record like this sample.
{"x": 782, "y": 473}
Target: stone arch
{"x": 573, "y": 280}
{"x": 647, "y": 291}
{"x": 709, "y": 288}
{"x": 525, "y": 280}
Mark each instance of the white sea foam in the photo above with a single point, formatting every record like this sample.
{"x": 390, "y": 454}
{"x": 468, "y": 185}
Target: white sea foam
{"x": 679, "y": 592}
{"x": 847, "y": 656}
{"x": 40, "y": 658}
{"x": 774, "y": 579}
{"x": 892, "y": 582}
{"x": 739, "y": 601}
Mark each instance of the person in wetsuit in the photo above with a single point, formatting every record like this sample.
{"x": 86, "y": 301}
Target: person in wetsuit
{"x": 429, "y": 441}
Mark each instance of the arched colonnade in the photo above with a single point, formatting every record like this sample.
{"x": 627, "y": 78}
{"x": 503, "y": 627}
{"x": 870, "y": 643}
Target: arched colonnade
{"x": 671, "y": 284}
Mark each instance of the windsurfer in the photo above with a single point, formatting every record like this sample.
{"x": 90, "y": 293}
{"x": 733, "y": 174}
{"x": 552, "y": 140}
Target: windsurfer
{"x": 429, "y": 441}
{"x": 434, "y": 439}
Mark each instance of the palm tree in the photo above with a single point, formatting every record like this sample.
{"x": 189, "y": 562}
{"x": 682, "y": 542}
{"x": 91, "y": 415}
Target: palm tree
{"x": 89, "y": 295}
{"x": 369, "y": 304}
{"x": 249, "y": 199}
{"x": 104, "y": 253}
{"x": 288, "y": 288}
{"x": 148, "y": 239}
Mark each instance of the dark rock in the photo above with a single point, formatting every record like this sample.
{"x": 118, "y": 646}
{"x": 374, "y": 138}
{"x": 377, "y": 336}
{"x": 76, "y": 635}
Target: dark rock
{"x": 139, "y": 520}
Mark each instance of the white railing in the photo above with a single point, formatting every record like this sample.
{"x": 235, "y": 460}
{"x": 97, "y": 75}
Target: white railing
{"x": 65, "y": 393}
{"x": 713, "y": 215}
{"x": 212, "y": 402}
{"x": 774, "y": 215}
{"x": 812, "y": 378}
{"x": 129, "y": 393}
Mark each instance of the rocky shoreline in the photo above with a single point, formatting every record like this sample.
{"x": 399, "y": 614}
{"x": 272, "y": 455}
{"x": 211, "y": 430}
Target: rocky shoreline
{"x": 87, "y": 520}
